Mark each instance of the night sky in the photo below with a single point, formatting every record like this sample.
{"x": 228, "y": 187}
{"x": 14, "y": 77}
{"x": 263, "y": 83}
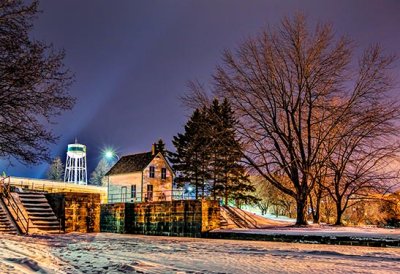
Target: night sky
{"x": 133, "y": 59}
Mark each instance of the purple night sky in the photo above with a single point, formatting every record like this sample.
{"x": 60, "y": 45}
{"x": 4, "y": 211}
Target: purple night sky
{"x": 132, "y": 59}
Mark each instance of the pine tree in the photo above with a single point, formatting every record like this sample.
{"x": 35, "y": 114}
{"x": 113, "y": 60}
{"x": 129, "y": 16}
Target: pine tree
{"x": 191, "y": 159}
{"x": 208, "y": 155}
{"x": 56, "y": 170}
{"x": 98, "y": 175}
{"x": 230, "y": 178}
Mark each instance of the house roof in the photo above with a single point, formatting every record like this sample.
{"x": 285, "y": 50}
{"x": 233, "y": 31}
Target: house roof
{"x": 131, "y": 163}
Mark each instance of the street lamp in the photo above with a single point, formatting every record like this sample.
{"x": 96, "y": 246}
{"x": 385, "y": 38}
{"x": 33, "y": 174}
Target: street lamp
{"x": 109, "y": 154}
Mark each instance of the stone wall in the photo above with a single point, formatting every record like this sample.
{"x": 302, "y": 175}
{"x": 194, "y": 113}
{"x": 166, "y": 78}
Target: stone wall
{"x": 210, "y": 215}
{"x": 79, "y": 212}
{"x": 116, "y": 217}
{"x": 175, "y": 218}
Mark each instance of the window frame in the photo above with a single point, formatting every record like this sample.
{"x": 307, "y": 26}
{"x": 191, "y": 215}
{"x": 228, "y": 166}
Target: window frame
{"x": 133, "y": 192}
{"x": 163, "y": 173}
{"x": 152, "y": 172}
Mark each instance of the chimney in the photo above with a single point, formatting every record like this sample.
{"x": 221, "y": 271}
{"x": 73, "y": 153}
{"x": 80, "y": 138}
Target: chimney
{"x": 153, "y": 149}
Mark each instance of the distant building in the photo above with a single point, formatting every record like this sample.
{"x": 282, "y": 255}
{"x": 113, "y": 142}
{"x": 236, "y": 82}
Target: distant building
{"x": 141, "y": 177}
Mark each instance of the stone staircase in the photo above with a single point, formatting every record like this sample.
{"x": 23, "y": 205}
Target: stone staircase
{"x": 5, "y": 224}
{"x": 232, "y": 217}
{"x": 41, "y": 215}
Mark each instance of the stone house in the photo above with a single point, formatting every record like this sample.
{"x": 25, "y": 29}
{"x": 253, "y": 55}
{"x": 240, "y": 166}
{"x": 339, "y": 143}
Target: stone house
{"x": 141, "y": 177}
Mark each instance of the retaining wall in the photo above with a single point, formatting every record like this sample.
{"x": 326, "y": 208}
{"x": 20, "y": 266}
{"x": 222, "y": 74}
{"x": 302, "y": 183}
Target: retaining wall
{"x": 79, "y": 212}
{"x": 173, "y": 218}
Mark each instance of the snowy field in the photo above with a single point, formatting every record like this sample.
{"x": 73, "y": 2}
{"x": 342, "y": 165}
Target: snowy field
{"x": 116, "y": 253}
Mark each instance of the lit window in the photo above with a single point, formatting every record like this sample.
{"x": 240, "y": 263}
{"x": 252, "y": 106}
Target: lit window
{"x": 151, "y": 172}
{"x": 163, "y": 173}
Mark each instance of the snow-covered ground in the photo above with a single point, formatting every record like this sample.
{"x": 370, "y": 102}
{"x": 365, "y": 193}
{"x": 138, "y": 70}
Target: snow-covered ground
{"x": 116, "y": 253}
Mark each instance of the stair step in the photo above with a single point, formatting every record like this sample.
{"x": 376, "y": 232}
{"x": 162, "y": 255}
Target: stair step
{"x": 41, "y": 215}
{"x": 44, "y": 205}
{"x": 42, "y": 208}
{"x": 45, "y": 221}
{"x": 33, "y": 201}
{"x": 39, "y": 194}
{"x": 46, "y": 218}
{"x": 6, "y": 226}
{"x": 44, "y": 227}
{"x": 31, "y": 196}
{"x": 40, "y": 212}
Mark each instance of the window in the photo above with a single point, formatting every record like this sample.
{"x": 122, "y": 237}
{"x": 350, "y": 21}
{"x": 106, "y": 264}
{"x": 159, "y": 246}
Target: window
{"x": 151, "y": 172}
{"x": 149, "y": 192}
{"x": 163, "y": 173}
{"x": 133, "y": 191}
{"x": 123, "y": 194}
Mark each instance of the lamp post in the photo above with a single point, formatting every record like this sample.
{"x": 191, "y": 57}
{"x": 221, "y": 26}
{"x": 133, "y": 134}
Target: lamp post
{"x": 109, "y": 154}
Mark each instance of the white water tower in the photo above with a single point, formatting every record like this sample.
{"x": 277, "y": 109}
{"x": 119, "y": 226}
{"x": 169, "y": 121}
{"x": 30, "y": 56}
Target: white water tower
{"x": 75, "y": 165}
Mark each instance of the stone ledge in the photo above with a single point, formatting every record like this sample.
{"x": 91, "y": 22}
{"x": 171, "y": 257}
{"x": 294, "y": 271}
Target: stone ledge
{"x": 311, "y": 239}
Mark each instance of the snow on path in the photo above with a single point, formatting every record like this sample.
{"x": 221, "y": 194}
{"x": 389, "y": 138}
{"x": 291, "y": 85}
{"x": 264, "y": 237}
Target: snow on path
{"x": 116, "y": 253}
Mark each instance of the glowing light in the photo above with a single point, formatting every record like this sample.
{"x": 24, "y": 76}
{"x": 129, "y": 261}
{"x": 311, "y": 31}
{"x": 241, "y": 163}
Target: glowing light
{"x": 190, "y": 189}
{"x": 110, "y": 154}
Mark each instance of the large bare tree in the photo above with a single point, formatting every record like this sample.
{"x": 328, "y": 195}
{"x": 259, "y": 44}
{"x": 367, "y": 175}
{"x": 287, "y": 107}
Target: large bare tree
{"x": 33, "y": 83}
{"x": 292, "y": 89}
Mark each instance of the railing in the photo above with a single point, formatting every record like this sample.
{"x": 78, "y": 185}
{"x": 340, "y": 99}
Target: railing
{"x": 154, "y": 196}
{"x": 241, "y": 218}
{"x": 47, "y": 186}
{"x": 246, "y": 216}
{"x": 10, "y": 202}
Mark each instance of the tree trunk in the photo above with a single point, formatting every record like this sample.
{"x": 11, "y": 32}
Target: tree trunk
{"x": 316, "y": 215}
{"x": 339, "y": 213}
{"x": 301, "y": 218}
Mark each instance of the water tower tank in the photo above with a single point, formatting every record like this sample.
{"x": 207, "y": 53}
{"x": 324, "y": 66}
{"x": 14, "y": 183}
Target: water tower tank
{"x": 75, "y": 165}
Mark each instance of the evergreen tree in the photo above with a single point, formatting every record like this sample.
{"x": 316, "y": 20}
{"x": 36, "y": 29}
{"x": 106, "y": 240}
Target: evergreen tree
{"x": 191, "y": 159}
{"x": 230, "y": 179}
{"x": 98, "y": 175}
{"x": 208, "y": 155}
{"x": 56, "y": 170}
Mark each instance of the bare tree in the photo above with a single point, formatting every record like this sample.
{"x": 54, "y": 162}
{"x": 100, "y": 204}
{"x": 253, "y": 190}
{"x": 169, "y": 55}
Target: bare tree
{"x": 291, "y": 89}
{"x": 33, "y": 85}
{"x": 361, "y": 169}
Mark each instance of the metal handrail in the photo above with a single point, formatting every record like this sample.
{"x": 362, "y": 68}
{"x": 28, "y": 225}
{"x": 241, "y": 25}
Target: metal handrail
{"x": 11, "y": 203}
{"x": 247, "y": 217}
{"x": 243, "y": 216}
{"x": 154, "y": 196}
